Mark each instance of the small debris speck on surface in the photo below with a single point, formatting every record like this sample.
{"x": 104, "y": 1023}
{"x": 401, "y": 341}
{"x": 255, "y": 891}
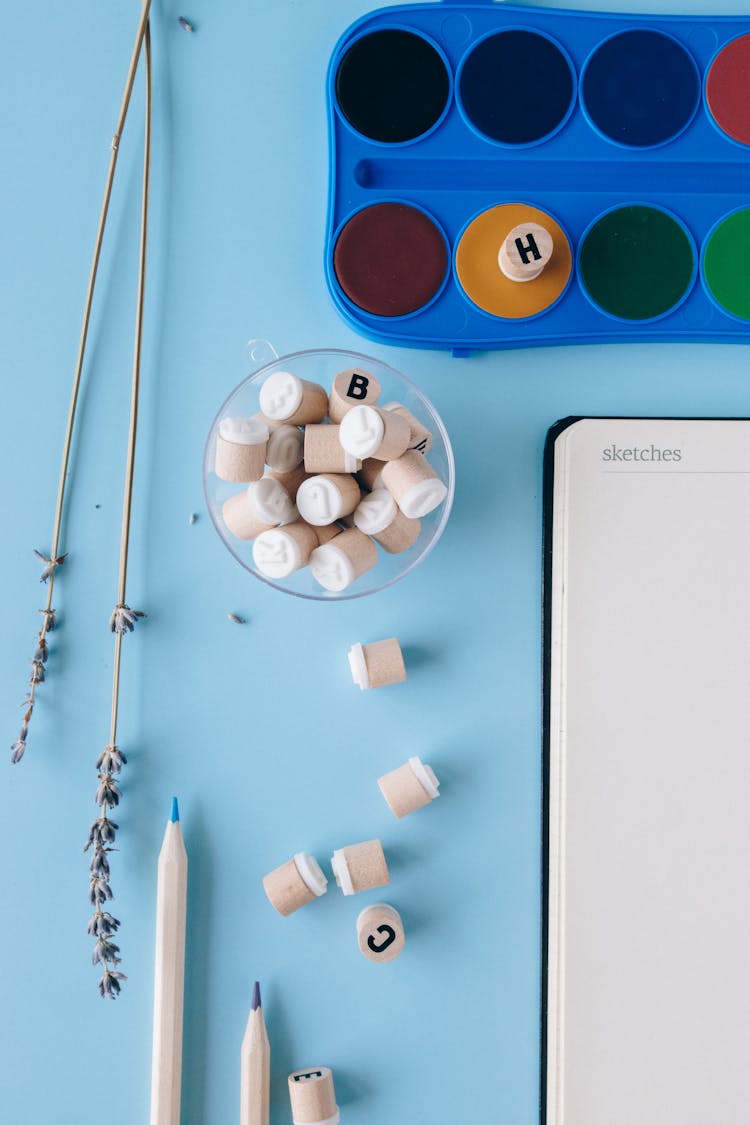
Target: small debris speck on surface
{"x": 236, "y": 619}
{"x": 185, "y": 24}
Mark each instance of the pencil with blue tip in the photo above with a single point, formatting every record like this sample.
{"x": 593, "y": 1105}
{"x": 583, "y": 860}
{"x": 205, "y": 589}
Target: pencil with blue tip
{"x": 255, "y": 1063}
{"x": 169, "y": 975}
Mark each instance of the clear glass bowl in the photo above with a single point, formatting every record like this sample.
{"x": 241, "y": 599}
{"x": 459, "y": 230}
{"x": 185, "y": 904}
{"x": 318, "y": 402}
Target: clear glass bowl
{"x": 321, "y": 365}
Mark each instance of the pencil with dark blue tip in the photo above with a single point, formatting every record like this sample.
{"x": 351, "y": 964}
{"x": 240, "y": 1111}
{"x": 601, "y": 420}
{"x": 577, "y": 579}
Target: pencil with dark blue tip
{"x": 255, "y": 1063}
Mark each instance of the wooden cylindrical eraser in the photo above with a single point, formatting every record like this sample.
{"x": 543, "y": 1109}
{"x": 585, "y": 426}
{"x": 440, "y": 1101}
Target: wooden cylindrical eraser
{"x": 292, "y": 480}
{"x": 286, "y": 398}
{"x": 263, "y": 504}
{"x": 380, "y": 933}
{"x": 295, "y": 883}
{"x": 420, "y": 437}
{"x": 360, "y": 867}
{"x": 241, "y": 449}
{"x": 526, "y": 252}
{"x": 378, "y": 515}
{"x": 366, "y": 431}
{"x": 324, "y": 453}
{"x": 353, "y": 387}
{"x": 326, "y": 532}
{"x": 281, "y": 551}
{"x": 313, "y": 1097}
{"x": 410, "y": 787}
{"x": 285, "y": 447}
{"x": 370, "y": 476}
{"x": 335, "y": 565}
{"x": 415, "y": 484}
{"x": 378, "y": 664}
{"x": 327, "y": 497}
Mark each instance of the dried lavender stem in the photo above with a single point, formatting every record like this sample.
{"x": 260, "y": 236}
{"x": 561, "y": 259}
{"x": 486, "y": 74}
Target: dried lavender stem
{"x": 72, "y": 409}
{"x": 109, "y": 984}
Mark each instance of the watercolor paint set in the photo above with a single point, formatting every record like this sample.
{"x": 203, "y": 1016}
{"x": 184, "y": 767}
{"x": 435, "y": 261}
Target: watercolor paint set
{"x": 506, "y": 176}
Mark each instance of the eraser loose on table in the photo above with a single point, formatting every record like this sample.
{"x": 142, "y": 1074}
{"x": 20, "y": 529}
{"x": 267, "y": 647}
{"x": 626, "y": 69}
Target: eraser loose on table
{"x": 366, "y": 431}
{"x": 420, "y": 437}
{"x": 378, "y": 664}
{"x": 241, "y": 449}
{"x": 526, "y": 252}
{"x": 284, "y": 449}
{"x": 327, "y": 497}
{"x": 360, "y": 867}
{"x": 281, "y": 551}
{"x": 286, "y": 398}
{"x": 353, "y": 387}
{"x": 313, "y": 1097}
{"x": 415, "y": 484}
{"x": 324, "y": 452}
{"x": 335, "y": 565}
{"x": 295, "y": 883}
{"x": 378, "y": 515}
{"x": 410, "y": 787}
{"x": 262, "y": 505}
{"x": 380, "y": 933}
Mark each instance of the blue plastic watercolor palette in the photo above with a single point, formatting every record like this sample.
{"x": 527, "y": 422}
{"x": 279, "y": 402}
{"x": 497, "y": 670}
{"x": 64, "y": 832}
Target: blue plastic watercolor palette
{"x": 625, "y": 137}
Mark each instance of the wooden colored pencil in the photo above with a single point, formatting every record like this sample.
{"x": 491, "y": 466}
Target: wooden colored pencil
{"x": 169, "y": 976}
{"x": 255, "y": 1062}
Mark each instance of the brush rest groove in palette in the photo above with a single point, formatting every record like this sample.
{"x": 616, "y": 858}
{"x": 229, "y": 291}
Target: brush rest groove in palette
{"x": 627, "y": 137}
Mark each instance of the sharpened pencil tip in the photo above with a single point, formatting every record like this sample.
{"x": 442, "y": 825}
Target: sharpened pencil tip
{"x": 175, "y": 813}
{"x": 256, "y": 997}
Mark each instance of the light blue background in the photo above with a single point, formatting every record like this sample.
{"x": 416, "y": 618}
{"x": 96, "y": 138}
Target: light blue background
{"x": 259, "y": 729}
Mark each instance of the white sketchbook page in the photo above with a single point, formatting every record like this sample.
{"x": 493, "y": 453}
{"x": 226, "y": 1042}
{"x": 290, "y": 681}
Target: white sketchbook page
{"x": 649, "y": 880}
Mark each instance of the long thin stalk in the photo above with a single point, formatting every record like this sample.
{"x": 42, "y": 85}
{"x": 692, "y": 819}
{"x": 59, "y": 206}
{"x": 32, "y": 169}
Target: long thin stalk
{"x": 55, "y": 559}
{"x": 110, "y": 762}
{"x": 135, "y": 391}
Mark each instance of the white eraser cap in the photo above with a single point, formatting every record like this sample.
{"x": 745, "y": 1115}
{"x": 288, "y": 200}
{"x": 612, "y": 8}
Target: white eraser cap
{"x": 361, "y": 431}
{"x": 244, "y": 431}
{"x": 311, "y": 873}
{"x": 276, "y": 554}
{"x": 422, "y": 498}
{"x": 285, "y": 449}
{"x": 271, "y": 501}
{"x": 358, "y": 665}
{"x": 281, "y": 395}
{"x": 340, "y": 870}
{"x": 319, "y": 501}
{"x": 332, "y": 567}
{"x": 425, "y": 775}
{"x": 376, "y": 512}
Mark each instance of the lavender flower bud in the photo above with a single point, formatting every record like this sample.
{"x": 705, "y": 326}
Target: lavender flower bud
{"x": 105, "y": 951}
{"x": 111, "y": 760}
{"x": 42, "y": 652}
{"x": 124, "y": 619}
{"x": 51, "y": 564}
{"x": 107, "y": 792}
{"x": 99, "y": 891}
{"x": 18, "y": 750}
{"x": 37, "y": 672}
{"x": 109, "y": 985}
{"x": 103, "y": 924}
{"x": 101, "y": 833}
{"x": 99, "y": 866}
